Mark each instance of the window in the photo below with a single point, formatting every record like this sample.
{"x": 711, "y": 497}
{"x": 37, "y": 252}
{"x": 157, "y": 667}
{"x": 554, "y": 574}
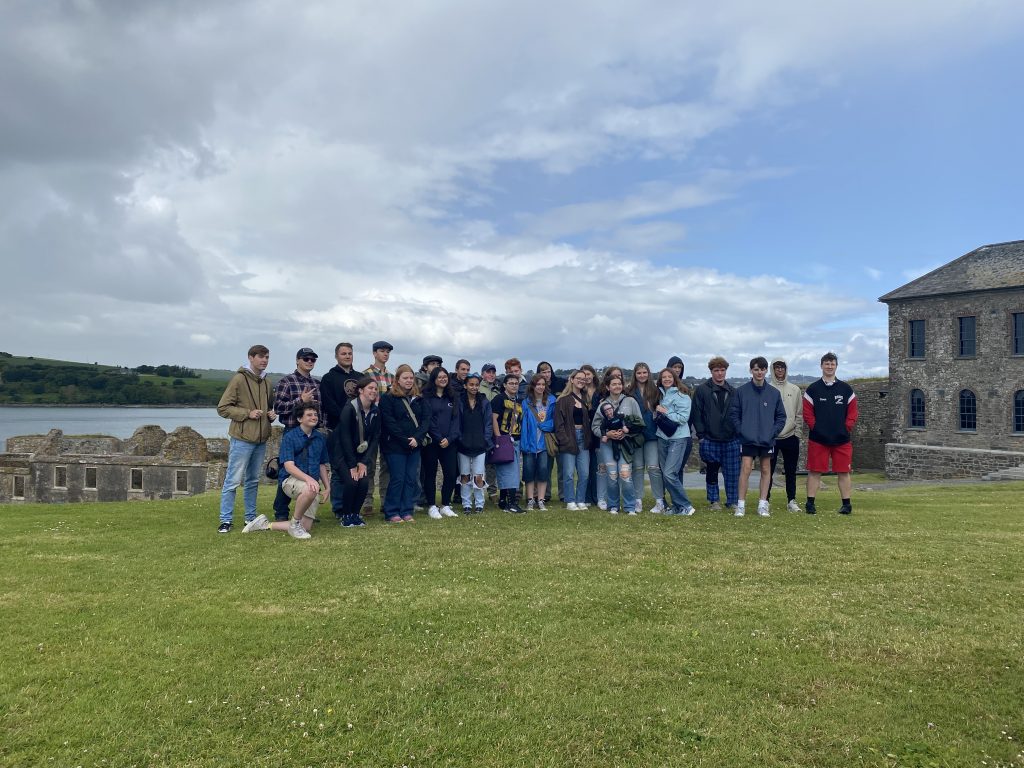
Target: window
{"x": 60, "y": 477}
{"x": 181, "y": 480}
{"x": 915, "y": 338}
{"x": 19, "y": 487}
{"x": 90, "y": 477}
{"x": 136, "y": 480}
{"x": 968, "y": 410}
{"x": 917, "y": 408}
{"x": 1018, "y": 411}
{"x": 1018, "y": 333}
{"x": 968, "y": 336}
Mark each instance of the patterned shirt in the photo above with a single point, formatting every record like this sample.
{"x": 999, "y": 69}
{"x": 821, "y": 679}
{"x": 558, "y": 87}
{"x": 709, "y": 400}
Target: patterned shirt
{"x": 509, "y": 413}
{"x": 292, "y": 443}
{"x": 288, "y": 394}
{"x": 384, "y": 378}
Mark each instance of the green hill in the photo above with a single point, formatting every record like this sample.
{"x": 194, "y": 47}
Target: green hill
{"x": 40, "y": 381}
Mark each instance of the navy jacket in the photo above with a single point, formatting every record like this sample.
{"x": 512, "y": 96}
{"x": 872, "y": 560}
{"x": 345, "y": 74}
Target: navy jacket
{"x": 757, "y": 414}
{"x": 398, "y": 426}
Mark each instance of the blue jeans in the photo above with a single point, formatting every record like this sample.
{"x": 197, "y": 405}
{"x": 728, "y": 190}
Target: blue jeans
{"x": 245, "y": 462}
{"x": 403, "y": 483}
{"x": 536, "y": 467}
{"x": 618, "y": 473}
{"x": 646, "y": 456}
{"x": 671, "y": 453}
{"x": 508, "y": 474}
{"x": 580, "y": 462}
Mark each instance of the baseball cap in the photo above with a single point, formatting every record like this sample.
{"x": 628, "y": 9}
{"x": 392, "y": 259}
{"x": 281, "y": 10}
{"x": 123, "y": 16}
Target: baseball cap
{"x": 306, "y": 352}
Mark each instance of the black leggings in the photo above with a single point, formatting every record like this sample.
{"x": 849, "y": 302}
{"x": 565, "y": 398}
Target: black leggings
{"x": 448, "y": 458}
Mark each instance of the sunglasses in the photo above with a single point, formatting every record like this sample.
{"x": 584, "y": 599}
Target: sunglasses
{"x": 308, "y": 359}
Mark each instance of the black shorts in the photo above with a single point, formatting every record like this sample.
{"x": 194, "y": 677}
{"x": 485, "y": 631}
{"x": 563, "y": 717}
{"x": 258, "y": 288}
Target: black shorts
{"x": 757, "y": 451}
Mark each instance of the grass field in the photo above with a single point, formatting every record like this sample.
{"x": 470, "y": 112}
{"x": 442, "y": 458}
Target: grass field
{"x": 135, "y": 635}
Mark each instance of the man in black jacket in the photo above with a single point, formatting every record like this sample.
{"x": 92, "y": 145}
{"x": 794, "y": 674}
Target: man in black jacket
{"x": 337, "y": 386}
{"x": 719, "y": 446}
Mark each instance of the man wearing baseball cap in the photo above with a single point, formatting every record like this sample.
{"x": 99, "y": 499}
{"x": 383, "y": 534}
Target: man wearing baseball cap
{"x": 298, "y": 388}
{"x": 489, "y": 386}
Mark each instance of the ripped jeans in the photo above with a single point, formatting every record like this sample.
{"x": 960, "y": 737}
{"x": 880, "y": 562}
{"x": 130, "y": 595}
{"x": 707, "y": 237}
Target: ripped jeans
{"x": 620, "y": 478}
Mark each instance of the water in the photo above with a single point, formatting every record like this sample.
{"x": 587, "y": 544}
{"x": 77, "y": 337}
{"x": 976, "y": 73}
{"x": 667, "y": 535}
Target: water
{"x": 117, "y": 422}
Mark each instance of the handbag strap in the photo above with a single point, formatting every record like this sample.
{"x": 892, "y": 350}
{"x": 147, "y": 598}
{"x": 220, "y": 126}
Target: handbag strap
{"x": 412, "y": 415}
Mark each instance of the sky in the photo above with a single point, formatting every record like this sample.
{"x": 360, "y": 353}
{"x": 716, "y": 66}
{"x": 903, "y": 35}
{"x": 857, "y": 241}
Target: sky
{"x": 572, "y": 182}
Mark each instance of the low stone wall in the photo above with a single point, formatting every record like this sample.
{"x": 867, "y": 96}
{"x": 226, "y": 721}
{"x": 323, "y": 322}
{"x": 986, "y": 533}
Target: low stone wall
{"x": 932, "y": 462}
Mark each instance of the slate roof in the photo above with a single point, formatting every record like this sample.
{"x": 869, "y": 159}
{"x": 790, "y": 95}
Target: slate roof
{"x": 991, "y": 267}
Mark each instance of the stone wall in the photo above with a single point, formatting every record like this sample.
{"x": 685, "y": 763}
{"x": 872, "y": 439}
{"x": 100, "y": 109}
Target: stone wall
{"x": 874, "y": 424}
{"x": 925, "y": 462}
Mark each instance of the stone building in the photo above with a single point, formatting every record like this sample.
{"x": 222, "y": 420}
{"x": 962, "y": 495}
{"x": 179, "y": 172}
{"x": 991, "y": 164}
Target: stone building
{"x": 151, "y": 464}
{"x": 956, "y": 367}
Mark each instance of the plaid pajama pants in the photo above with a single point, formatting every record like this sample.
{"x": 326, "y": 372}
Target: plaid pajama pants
{"x": 724, "y": 454}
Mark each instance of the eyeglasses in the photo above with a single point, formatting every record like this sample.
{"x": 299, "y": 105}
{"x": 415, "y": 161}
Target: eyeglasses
{"x": 308, "y": 359}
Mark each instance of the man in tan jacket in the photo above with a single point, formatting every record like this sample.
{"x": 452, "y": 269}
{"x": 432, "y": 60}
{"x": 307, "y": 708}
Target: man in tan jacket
{"x": 247, "y": 402}
{"x": 788, "y": 441}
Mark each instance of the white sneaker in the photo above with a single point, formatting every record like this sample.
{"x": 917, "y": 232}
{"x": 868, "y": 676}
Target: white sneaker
{"x": 260, "y": 523}
{"x": 659, "y": 508}
{"x": 571, "y": 506}
{"x": 296, "y": 531}
{"x": 602, "y": 506}
{"x": 763, "y": 510}
{"x": 434, "y": 512}
{"x": 448, "y": 511}
{"x": 632, "y": 513}
{"x": 793, "y": 506}
{"x": 740, "y": 510}
{"x": 582, "y": 507}
{"x": 531, "y": 504}
{"x": 689, "y": 511}
{"x": 613, "y": 511}
{"x": 639, "y": 506}
{"x": 540, "y": 505}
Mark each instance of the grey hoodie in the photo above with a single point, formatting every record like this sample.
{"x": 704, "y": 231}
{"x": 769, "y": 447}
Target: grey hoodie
{"x": 791, "y": 400}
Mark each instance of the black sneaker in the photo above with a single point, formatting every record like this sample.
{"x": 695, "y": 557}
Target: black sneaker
{"x": 224, "y": 528}
{"x": 349, "y": 521}
{"x": 357, "y": 521}
{"x": 846, "y": 509}
{"x": 810, "y": 509}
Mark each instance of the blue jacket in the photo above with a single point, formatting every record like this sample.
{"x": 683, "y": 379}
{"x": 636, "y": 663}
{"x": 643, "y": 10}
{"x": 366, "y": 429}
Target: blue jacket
{"x": 757, "y": 414}
{"x": 678, "y": 406}
{"x": 650, "y": 431}
{"x": 531, "y": 440}
{"x": 444, "y": 417}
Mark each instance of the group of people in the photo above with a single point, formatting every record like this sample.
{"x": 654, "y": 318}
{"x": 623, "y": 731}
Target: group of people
{"x": 603, "y": 433}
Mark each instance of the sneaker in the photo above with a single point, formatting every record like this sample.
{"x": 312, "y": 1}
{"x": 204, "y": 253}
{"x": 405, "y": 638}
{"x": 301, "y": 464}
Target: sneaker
{"x": 639, "y": 506}
{"x": 603, "y": 506}
{"x": 256, "y": 524}
{"x": 715, "y": 507}
{"x": 357, "y": 521}
{"x": 613, "y": 511}
{"x": 531, "y": 504}
{"x": 571, "y": 506}
{"x": 408, "y": 519}
{"x": 541, "y": 506}
{"x": 763, "y": 510}
{"x": 632, "y": 513}
{"x": 582, "y": 507}
{"x": 793, "y": 506}
{"x": 740, "y": 512}
{"x": 688, "y": 511}
{"x": 467, "y": 510}
{"x": 296, "y": 531}
{"x": 224, "y": 528}
{"x": 447, "y": 511}
{"x": 433, "y": 512}
{"x": 846, "y": 509}
{"x": 659, "y": 508}
{"x": 810, "y": 509}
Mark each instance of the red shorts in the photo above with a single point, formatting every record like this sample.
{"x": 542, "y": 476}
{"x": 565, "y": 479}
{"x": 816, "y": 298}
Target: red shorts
{"x": 818, "y": 456}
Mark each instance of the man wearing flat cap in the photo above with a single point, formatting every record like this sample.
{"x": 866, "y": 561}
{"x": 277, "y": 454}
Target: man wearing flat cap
{"x": 430, "y": 362}
{"x": 292, "y": 390}
{"x": 385, "y": 380}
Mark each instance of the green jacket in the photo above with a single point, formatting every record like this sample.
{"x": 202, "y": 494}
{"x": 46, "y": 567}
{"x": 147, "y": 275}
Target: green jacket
{"x": 247, "y": 392}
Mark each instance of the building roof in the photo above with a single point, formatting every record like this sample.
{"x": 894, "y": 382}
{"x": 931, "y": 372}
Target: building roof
{"x": 989, "y": 268}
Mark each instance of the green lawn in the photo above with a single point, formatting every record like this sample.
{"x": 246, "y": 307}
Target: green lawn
{"x": 135, "y": 635}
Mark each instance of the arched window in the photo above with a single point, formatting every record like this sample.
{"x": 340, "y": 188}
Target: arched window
{"x": 916, "y": 408}
{"x": 1018, "y": 411}
{"x": 968, "y": 410}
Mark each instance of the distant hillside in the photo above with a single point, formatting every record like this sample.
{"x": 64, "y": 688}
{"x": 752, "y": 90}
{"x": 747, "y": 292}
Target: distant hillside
{"x": 40, "y": 381}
